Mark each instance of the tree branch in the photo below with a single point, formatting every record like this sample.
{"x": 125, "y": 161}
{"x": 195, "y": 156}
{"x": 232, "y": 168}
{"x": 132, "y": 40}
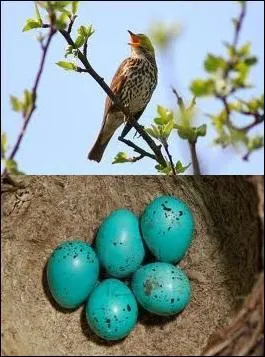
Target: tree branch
{"x": 194, "y": 158}
{"x": 136, "y": 148}
{"x": 27, "y": 116}
{"x": 239, "y": 23}
{"x": 258, "y": 118}
{"x": 165, "y": 145}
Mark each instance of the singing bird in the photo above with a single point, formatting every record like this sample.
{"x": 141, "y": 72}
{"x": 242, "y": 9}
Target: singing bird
{"x": 134, "y": 83}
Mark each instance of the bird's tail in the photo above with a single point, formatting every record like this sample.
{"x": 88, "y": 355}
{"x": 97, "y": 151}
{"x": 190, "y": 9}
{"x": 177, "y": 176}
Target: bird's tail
{"x": 98, "y": 149}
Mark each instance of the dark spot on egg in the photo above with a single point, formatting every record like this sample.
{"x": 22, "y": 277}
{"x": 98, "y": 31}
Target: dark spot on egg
{"x": 114, "y": 243}
{"x": 126, "y": 317}
{"x": 154, "y": 212}
{"x": 123, "y": 309}
{"x": 155, "y": 296}
{"x": 169, "y": 228}
{"x": 178, "y": 299}
{"x": 180, "y": 213}
{"x": 172, "y": 300}
{"x": 129, "y": 307}
{"x": 81, "y": 250}
{"x": 75, "y": 256}
{"x": 148, "y": 287}
{"x": 166, "y": 208}
{"x": 153, "y": 269}
{"x": 70, "y": 243}
{"x": 64, "y": 257}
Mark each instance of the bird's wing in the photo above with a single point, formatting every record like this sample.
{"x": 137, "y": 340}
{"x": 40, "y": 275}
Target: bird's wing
{"x": 117, "y": 84}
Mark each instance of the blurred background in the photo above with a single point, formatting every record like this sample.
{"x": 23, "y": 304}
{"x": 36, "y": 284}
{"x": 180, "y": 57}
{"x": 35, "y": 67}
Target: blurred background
{"x": 70, "y": 105}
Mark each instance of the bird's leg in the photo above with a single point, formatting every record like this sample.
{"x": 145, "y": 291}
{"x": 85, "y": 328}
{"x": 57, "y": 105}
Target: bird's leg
{"x": 136, "y": 132}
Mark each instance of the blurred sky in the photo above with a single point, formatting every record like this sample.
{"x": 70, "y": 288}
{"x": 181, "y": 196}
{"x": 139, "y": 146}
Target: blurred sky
{"x": 70, "y": 105}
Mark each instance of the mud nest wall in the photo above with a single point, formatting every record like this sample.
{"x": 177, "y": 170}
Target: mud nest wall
{"x": 222, "y": 263}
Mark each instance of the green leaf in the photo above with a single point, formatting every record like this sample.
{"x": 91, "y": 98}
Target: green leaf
{"x": 253, "y": 104}
{"x": 201, "y": 130}
{"x": 57, "y": 5}
{"x": 120, "y": 158}
{"x": 75, "y": 5}
{"x": 68, "y": 66}
{"x": 152, "y": 133}
{"x": 251, "y": 61}
{"x": 212, "y": 63}
{"x": 167, "y": 129}
{"x": 159, "y": 121}
{"x": 180, "y": 168}
{"x": 27, "y": 100}
{"x": 192, "y": 105}
{"x": 243, "y": 69}
{"x": 255, "y": 143}
{"x": 164, "y": 169}
{"x": 38, "y": 13}
{"x": 43, "y": 4}
{"x": 89, "y": 31}
{"x": 244, "y": 50}
{"x": 185, "y": 133}
{"x": 61, "y": 22}
{"x": 201, "y": 87}
{"x": 161, "y": 111}
{"x": 32, "y": 24}
{"x": 3, "y": 144}
{"x": 68, "y": 51}
{"x": 15, "y": 103}
{"x": 12, "y": 168}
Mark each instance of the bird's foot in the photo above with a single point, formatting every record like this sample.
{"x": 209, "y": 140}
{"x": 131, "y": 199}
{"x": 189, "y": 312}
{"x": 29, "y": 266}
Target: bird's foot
{"x": 136, "y": 132}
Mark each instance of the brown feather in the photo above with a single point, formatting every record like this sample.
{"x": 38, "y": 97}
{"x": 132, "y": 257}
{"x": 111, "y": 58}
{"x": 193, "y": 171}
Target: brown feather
{"x": 110, "y": 121}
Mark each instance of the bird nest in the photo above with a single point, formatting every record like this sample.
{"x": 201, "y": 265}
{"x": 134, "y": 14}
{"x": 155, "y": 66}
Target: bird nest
{"x": 224, "y": 264}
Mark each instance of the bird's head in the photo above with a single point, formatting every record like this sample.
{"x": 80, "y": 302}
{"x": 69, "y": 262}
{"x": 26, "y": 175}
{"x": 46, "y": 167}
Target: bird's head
{"x": 141, "y": 44}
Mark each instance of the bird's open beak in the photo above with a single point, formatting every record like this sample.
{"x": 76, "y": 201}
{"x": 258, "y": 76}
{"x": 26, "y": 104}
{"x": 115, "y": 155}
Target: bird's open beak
{"x": 135, "y": 40}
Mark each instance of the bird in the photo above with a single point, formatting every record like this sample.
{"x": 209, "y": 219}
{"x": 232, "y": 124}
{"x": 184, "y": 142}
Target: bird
{"x": 133, "y": 83}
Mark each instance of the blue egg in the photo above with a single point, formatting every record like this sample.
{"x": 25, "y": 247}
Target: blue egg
{"x": 72, "y": 273}
{"x": 111, "y": 310}
{"x": 119, "y": 245}
{"x": 161, "y": 288}
{"x": 167, "y": 226}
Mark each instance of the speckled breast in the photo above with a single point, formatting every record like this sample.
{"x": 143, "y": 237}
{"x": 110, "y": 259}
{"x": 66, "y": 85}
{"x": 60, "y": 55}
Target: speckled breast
{"x": 140, "y": 84}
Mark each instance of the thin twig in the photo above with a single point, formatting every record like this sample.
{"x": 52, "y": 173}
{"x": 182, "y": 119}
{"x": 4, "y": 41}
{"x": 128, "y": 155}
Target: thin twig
{"x": 194, "y": 158}
{"x": 258, "y": 118}
{"x": 71, "y": 24}
{"x": 239, "y": 23}
{"x": 165, "y": 145}
{"x": 192, "y": 143}
{"x": 85, "y": 49}
{"x": 28, "y": 114}
{"x": 136, "y": 148}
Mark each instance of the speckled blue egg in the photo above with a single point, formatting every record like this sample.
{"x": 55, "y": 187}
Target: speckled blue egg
{"x": 72, "y": 273}
{"x": 167, "y": 226}
{"x": 161, "y": 288}
{"x": 111, "y": 310}
{"x": 119, "y": 245}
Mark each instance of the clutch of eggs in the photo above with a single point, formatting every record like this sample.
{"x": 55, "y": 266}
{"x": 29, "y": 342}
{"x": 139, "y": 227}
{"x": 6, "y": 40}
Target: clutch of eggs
{"x": 165, "y": 228}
